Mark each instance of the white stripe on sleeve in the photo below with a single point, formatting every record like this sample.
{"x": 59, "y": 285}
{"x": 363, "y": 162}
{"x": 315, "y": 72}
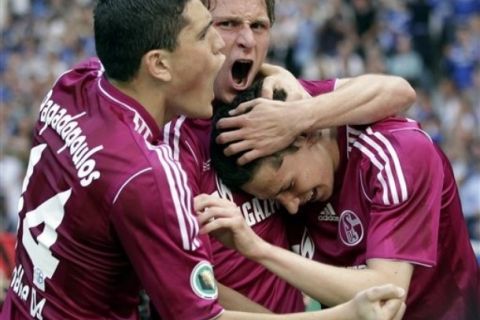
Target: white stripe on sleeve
{"x": 396, "y": 161}
{"x": 185, "y": 194}
{"x": 181, "y": 197}
{"x": 176, "y": 137}
{"x": 380, "y": 167}
{"x": 381, "y": 153}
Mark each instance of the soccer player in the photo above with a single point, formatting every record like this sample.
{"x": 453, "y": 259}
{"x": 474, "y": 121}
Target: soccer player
{"x": 381, "y": 205}
{"x": 105, "y": 207}
{"x": 245, "y": 28}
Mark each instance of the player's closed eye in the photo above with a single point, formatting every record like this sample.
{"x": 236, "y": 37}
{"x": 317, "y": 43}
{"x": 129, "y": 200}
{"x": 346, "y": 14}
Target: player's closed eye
{"x": 259, "y": 26}
{"x": 227, "y": 24}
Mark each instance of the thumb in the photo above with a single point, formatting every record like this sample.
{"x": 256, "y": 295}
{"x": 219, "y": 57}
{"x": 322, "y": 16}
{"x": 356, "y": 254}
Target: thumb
{"x": 388, "y": 291}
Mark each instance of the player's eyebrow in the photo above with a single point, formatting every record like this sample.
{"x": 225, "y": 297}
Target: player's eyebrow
{"x": 283, "y": 188}
{"x": 262, "y": 21}
{"x": 204, "y": 31}
{"x": 237, "y": 19}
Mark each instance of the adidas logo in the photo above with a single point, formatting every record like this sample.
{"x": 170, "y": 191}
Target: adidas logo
{"x": 328, "y": 214}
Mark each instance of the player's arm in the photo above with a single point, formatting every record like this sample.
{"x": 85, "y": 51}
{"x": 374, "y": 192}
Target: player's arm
{"x": 270, "y": 126}
{"x": 153, "y": 218}
{"x": 359, "y": 100}
{"x": 378, "y": 303}
{"x": 152, "y": 239}
{"x": 232, "y": 300}
{"x": 328, "y": 284}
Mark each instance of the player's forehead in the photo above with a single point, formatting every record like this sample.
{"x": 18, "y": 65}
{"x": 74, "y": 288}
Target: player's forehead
{"x": 249, "y": 10}
{"x": 197, "y": 17}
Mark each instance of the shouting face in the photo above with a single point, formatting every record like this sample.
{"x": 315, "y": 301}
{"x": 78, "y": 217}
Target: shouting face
{"x": 245, "y": 27}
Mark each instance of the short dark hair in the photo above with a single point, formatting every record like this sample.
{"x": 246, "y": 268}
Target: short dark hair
{"x": 232, "y": 174}
{"x": 270, "y": 4}
{"x": 127, "y": 29}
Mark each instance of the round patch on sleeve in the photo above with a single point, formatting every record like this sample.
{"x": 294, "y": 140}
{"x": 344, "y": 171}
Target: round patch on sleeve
{"x": 203, "y": 281}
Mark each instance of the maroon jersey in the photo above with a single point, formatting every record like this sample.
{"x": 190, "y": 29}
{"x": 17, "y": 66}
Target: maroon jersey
{"x": 190, "y": 141}
{"x": 105, "y": 209}
{"x": 395, "y": 197}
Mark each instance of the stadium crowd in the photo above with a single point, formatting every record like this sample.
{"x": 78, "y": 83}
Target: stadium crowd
{"x": 435, "y": 44}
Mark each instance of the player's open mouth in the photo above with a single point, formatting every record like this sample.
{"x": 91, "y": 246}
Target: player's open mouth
{"x": 312, "y": 196}
{"x": 240, "y": 72}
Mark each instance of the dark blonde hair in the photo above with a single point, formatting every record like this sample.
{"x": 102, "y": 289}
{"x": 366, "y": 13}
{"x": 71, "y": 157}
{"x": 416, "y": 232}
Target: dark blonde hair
{"x": 270, "y": 4}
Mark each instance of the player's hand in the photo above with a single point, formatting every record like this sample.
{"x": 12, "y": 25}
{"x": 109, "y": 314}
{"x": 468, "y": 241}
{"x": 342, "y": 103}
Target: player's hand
{"x": 222, "y": 219}
{"x": 267, "y": 127}
{"x": 379, "y": 303}
{"x": 279, "y": 78}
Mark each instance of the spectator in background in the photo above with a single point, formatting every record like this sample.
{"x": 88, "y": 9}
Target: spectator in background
{"x": 345, "y": 63}
{"x": 419, "y": 30}
{"x": 470, "y": 191}
{"x": 305, "y": 47}
{"x": 11, "y": 175}
{"x": 460, "y": 58}
{"x": 405, "y": 62}
{"x": 366, "y": 22}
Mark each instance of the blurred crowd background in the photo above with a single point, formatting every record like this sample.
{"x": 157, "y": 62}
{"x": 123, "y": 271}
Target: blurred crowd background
{"x": 434, "y": 44}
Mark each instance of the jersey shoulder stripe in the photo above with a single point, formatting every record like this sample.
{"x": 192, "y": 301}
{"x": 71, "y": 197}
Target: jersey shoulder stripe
{"x": 380, "y": 151}
{"x": 172, "y": 134}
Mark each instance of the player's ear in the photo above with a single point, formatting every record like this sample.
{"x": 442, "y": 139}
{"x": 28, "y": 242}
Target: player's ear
{"x": 157, "y": 63}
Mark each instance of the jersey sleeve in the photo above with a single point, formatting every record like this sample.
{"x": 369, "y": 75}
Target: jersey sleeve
{"x": 154, "y": 220}
{"x": 404, "y": 181}
{"x": 315, "y": 88}
{"x": 185, "y": 137}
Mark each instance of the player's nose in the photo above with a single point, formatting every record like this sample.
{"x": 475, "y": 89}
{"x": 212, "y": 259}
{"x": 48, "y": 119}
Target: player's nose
{"x": 246, "y": 37}
{"x": 290, "y": 203}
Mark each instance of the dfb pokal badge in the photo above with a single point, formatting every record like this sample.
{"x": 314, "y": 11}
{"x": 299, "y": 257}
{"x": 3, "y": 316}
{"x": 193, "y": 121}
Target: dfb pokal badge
{"x": 203, "y": 282}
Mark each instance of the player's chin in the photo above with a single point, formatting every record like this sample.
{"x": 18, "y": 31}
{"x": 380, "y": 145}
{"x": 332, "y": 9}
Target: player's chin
{"x": 204, "y": 108}
{"x": 205, "y": 112}
{"x": 200, "y": 110}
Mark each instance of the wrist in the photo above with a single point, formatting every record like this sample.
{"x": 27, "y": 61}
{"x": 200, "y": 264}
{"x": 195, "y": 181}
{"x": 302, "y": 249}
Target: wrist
{"x": 304, "y": 115}
{"x": 261, "y": 250}
{"x": 347, "y": 311}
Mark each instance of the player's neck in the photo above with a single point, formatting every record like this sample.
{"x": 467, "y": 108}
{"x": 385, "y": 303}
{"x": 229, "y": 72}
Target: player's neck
{"x": 150, "y": 98}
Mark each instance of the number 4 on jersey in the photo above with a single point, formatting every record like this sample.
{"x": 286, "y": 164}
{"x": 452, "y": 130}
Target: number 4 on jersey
{"x": 51, "y": 213}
